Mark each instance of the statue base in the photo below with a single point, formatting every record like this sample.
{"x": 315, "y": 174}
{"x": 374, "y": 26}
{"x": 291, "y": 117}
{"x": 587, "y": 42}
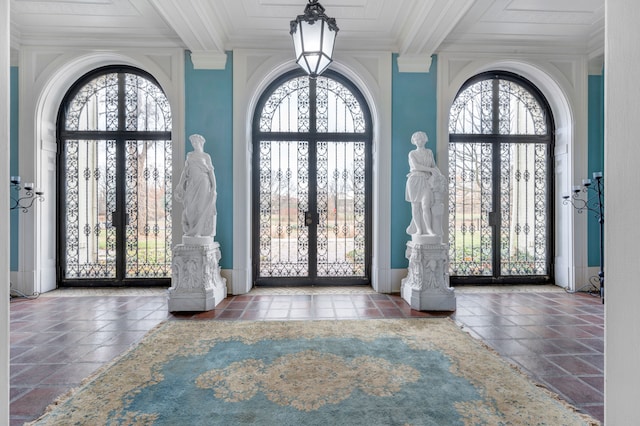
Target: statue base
{"x": 426, "y": 239}
{"x": 197, "y": 241}
{"x": 196, "y": 283}
{"x": 426, "y": 287}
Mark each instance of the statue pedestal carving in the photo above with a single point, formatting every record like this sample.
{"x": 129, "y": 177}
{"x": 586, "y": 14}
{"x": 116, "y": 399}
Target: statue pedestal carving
{"x": 426, "y": 287}
{"x": 196, "y": 283}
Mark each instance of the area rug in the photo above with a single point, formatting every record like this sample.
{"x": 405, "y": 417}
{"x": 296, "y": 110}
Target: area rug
{"x": 368, "y": 372}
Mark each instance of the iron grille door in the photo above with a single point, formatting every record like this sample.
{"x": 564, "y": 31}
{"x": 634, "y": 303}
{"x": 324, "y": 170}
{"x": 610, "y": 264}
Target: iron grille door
{"x": 114, "y": 181}
{"x": 500, "y": 203}
{"x": 312, "y": 156}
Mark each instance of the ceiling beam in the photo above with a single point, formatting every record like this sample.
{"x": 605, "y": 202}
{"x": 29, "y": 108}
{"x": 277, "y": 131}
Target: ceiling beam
{"x": 431, "y": 23}
{"x": 200, "y": 29}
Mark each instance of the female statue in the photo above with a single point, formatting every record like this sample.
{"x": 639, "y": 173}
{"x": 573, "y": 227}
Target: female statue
{"x": 197, "y": 191}
{"x": 423, "y": 174}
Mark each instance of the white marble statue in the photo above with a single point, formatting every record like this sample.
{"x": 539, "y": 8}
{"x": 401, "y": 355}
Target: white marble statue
{"x": 426, "y": 287}
{"x": 196, "y": 282}
{"x": 197, "y": 191}
{"x": 425, "y": 186}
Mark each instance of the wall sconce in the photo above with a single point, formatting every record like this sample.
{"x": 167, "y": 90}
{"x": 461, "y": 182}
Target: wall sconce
{"x": 582, "y": 201}
{"x": 314, "y": 35}
{"x": 31, "y": 194}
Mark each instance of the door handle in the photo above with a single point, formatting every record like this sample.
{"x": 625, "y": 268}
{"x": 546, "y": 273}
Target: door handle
{"x": 115, "y": 220}
{"x": 308, "y": 218}
{"x": 493, "y": 219}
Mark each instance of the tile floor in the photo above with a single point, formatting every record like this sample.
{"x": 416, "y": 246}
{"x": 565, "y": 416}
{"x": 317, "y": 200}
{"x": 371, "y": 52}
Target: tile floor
{"x": 57, "y": 340}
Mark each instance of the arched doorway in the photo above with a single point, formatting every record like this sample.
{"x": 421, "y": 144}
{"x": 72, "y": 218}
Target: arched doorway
{"x": 312, "y": 147}
{"x": 114, "y": 180}
{"x": 501, "y": 137}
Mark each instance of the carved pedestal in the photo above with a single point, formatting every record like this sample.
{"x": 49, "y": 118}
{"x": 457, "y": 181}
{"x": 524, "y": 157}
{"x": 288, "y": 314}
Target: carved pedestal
{"x": 196, "y": 283}
{"x": 426, "y": 287}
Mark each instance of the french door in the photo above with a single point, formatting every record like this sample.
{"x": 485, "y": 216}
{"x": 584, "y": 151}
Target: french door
{"x": 114, "y": 181}
{"x": 312, "y": 183}
{"x": 500, "y": 203}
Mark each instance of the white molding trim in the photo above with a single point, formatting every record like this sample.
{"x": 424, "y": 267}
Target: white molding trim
{"x": 563, "y": 81}
{"x": 207, "y": 60}
{"x": 414, "y": 63}
{"x": 253, "y": 71}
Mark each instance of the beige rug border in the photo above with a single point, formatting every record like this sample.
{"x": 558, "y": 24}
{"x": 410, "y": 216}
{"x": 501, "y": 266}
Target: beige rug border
{"x": 589, "y": 420}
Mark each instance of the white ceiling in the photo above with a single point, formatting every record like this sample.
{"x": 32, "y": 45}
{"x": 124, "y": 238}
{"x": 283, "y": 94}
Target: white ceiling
{"x": 412, "y": 28}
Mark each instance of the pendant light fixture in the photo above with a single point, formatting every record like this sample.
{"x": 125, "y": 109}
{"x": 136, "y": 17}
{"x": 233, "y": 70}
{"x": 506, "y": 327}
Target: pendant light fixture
{"x": 314, "y": 35}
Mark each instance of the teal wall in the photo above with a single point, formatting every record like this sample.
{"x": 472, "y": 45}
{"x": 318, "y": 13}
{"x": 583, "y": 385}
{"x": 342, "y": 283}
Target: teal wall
{"x": 208, "y": 111}
{"x": 13, "y": 165}
{"x": 595, "y": 161}
{"x": 414, "y": 108}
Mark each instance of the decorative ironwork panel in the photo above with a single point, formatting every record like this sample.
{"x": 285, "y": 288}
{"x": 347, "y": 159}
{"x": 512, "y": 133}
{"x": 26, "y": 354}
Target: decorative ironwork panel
{"x": 90, "y": 187}
{"x": 520, "y": 112}
{"x": 312, "y": 147}
{"x": 95, "y": 106}
{"x": 284, "y": 187}
{"x": 116, "y": 214}
{"x": 287, "y": 109}
{"x": 341, "y": 199}
{"x": 470, "y": 202}
{"x": 472, "y": 111}
{"x": 147, "y": 107}
{"x": 514, "y": 167}
{"x": 148, "y": 207}
{"x": 523, "y": 225}
{"x": 338, "y": 110}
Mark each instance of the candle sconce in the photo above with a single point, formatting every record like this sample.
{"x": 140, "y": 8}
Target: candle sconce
{"x": 31, "y": 193}
{"x": 589, "y": 197}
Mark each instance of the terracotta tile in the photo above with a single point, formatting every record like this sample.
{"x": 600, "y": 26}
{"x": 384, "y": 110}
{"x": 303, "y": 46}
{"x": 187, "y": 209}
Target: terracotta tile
{"x": 349, "y": 313}
{"x": 574, "y": 389}
{"x": 574, "y": 365}
{"x": 279, "y": 304}
{"x": 280, "y": 314}
{"x": 104, "y": 353}
{"x": 508, "y": 347}
{"x": 300, "y": 314}
{"x": 538, "y": 366}
{"x": 548, "y": 335}
{"x": 236, "y": 304}
{"x": 596, "y": 382}
{"x": 226, "y": 314}
{"x": 35, "y": 401}
{"x": 252, "y": 315}
{"x": 323, "y": 313}
{"x": 72, "y": 374}
{"x": 36, "y": 373}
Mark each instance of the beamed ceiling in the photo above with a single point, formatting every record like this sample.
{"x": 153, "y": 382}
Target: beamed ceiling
{"x": 415, "y": 29}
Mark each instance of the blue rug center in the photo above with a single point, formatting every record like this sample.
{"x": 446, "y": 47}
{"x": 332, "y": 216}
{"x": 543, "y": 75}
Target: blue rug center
{"x": 311, "y": 382}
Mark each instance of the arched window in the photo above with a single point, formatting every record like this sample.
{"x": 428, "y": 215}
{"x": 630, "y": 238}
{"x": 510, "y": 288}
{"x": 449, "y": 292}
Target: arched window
{"x": 114, "y": 136}
{"x": 500, "y": 169}
{"x": 312, "y": 182}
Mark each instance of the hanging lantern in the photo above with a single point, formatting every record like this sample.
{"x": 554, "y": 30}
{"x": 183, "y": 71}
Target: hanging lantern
{"x": 314, "y": 35}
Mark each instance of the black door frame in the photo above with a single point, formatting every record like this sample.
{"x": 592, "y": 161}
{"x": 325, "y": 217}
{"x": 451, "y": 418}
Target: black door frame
{"x": 496, "y": 140}
{"x": 120, "y": 217}
{"x": 312, "y": 137}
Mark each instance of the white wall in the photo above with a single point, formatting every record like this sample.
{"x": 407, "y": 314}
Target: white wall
{"x": 622, "y": 230}
{"x": 4, "y": 211}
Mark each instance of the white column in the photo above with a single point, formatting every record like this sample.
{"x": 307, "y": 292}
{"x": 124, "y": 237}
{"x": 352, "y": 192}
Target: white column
{"x": 622, "y": 204}
{"x": 4, "y": 210}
